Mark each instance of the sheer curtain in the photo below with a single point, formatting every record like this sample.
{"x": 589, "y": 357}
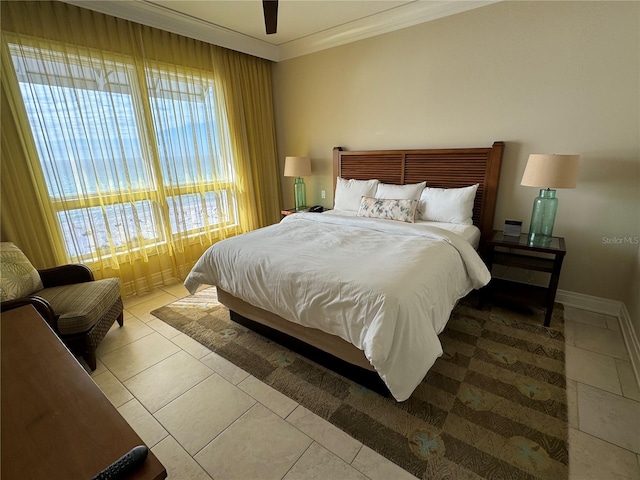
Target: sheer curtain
{"x": 135, "y": 148}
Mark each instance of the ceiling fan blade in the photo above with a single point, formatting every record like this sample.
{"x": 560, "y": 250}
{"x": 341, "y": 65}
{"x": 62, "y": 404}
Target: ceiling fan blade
{"x": 270, "y": 8}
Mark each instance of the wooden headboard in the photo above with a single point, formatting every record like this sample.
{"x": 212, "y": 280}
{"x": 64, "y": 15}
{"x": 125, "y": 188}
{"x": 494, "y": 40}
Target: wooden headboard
{"x": 440, "y": 168}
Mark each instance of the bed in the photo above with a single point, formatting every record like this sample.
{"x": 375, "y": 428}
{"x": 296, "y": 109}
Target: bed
{"x": 364, "y": 296}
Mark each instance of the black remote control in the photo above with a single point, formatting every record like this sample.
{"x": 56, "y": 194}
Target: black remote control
{"x": 125, "y": 465}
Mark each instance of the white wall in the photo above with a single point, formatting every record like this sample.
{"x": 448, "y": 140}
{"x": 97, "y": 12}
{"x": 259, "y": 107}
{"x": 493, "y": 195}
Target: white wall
{"x": 546, "y": 77}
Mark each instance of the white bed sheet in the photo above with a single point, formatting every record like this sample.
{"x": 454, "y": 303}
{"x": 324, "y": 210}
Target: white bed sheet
{"x": 386, "y": 287}
{"x": 470, "y": 233}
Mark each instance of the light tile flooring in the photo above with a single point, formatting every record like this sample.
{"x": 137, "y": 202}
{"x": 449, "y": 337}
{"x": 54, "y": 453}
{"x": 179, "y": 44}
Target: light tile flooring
{"x": 205, "y": 418}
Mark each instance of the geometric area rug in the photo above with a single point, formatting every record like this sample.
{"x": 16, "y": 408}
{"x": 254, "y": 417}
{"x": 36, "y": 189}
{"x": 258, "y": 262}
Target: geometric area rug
{"x": 493, "y": 406}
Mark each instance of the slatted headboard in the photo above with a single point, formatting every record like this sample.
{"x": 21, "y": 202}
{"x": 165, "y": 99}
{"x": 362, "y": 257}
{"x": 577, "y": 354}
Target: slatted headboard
{"x": 440, "y": 168}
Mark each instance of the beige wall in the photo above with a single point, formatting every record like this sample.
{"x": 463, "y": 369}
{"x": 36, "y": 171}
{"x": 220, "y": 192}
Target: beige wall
{"x": 545, "y": 77}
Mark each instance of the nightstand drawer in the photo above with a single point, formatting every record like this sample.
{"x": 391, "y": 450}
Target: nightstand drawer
{"x": 523, "y": 261}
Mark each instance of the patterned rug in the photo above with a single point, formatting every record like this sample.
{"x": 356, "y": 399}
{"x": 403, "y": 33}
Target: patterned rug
{"x": 493, "y": 406}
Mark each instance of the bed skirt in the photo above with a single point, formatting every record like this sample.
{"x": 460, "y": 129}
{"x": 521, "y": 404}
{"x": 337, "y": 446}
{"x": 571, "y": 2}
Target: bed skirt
{"x": 328, "y": 350}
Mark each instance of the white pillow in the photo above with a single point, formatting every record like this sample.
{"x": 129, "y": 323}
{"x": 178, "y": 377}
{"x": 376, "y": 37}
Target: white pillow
{"x": 450, "y": 205}
{"x": 349, "y": 192}
{"x": 400, "y": 192}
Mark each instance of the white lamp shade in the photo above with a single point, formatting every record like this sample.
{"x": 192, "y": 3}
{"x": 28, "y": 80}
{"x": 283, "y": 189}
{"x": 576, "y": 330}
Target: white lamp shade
{"x": 297, "y": 166}
{"x": 551, "y": 171}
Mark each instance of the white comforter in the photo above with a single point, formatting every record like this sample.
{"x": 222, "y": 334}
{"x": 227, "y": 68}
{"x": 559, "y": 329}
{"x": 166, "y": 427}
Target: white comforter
{"x": 387, "y": 287}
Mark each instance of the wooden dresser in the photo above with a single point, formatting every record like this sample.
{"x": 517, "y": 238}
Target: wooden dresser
{"x": 56, "y": 422}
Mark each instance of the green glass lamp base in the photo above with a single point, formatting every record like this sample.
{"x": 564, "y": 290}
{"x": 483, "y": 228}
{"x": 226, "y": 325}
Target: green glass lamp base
{"x": 300, "y": 194}
{"x": 537, "y": 240}
{"x": 543, "y": 217}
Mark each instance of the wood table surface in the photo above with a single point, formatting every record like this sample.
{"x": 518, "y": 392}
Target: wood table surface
{"x": 56, "y": 422}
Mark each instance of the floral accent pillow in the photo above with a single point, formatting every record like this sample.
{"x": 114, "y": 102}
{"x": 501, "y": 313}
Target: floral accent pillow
{"x": 409, "y": 192}
{"x": 18, "y": 278}
{"x": 402, "y": 210}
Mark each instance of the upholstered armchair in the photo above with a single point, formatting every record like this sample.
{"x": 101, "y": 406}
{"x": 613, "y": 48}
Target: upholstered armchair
{"x": 79, "y": 309}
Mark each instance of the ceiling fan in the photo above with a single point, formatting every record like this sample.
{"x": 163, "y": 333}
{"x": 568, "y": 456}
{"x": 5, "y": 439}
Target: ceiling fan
{"x": 270, "y": 8}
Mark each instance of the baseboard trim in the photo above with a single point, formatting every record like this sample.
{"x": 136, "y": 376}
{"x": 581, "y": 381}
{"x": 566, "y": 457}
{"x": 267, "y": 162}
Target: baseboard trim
{"x": 589, "y": 302}
{"x": 614, "y": 308}
{"x": 631, "y": 339}
{"x": 158, "y": 279}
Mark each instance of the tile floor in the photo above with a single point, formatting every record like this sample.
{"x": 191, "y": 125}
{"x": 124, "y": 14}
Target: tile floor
{"x": 205, "y": 418}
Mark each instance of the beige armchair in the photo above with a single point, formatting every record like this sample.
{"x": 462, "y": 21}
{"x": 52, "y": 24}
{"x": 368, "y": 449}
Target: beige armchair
{"x": 79, "y": 309}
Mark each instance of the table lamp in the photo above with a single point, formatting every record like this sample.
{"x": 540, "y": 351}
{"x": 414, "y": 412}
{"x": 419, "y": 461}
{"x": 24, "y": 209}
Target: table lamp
{"x": 298, "y": 167}
{"x": 547, "y": 171}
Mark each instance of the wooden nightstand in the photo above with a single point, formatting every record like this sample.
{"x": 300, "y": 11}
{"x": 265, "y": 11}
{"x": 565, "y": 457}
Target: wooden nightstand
{"x": 289, "y": 211}
{"x": 517, "y": 252}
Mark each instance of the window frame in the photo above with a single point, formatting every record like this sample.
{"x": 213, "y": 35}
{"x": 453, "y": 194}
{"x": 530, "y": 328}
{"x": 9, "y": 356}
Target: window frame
{"x": 157, "y": 193}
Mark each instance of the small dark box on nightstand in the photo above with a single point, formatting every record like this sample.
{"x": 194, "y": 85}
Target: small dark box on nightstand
{"x": 512, "y": 228}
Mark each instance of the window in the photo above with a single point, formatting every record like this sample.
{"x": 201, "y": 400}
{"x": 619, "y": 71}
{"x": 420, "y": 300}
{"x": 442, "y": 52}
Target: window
{"x": 126, "y": 169}
{"x": 184, "y": 119}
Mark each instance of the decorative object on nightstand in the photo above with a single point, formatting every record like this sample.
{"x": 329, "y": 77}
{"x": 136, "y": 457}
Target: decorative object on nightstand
{"x": 298, "y": 167}
{"x": 547, "y": 171}
{"x": 512, "y": 228}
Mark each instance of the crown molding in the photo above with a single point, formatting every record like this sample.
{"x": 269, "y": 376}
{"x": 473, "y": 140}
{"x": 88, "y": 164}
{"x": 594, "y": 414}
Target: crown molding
{"x": 377, "y": 24}
{"x": 157, "y": 16}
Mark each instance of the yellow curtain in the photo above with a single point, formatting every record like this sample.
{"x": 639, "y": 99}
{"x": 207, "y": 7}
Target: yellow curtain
{"x": 131, "y": 149}
{"x": 247, "y": 92}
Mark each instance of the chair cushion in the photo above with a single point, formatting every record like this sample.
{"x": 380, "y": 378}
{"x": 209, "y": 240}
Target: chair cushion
{"x": 81, "y": 305}
{"x": 18, "y": 278}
